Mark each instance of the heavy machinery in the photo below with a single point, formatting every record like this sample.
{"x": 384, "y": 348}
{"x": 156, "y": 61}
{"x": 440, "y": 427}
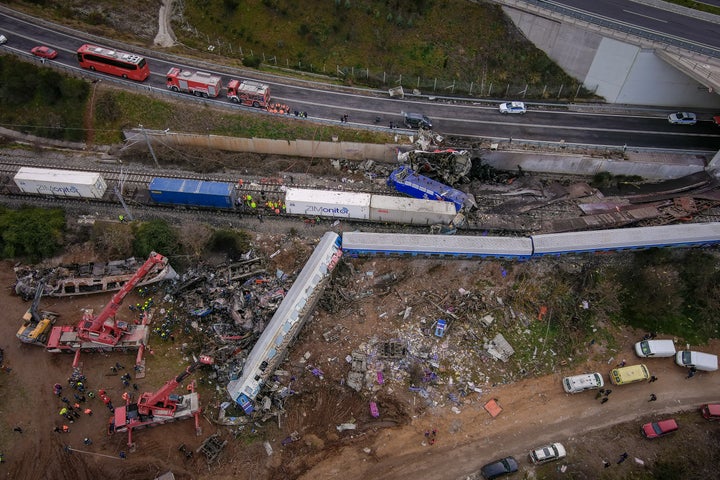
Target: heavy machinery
{"x": 200, "y": 84}
{"x": 36, "y": 325}
{"x": 156, "y": 408}
{"x": 103, "y": 332}
{"x": 247, "y": 92}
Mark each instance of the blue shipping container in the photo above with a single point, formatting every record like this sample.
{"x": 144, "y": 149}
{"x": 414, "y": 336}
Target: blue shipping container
{"x": 198, "y": 193}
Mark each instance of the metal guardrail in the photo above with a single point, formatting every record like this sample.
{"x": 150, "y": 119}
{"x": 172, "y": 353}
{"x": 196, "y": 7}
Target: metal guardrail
{"x": 611, "y": 27}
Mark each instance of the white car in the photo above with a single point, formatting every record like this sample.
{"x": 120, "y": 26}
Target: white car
{"x": 548, "y": 453}
{"x": 682, "y": 118}
{"x": 513, "y": 107}
{"x": 3, "y": 39}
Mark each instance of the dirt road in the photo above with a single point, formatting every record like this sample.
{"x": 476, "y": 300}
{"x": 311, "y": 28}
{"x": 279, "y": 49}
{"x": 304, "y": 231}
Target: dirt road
{"x": 535, "y": 412}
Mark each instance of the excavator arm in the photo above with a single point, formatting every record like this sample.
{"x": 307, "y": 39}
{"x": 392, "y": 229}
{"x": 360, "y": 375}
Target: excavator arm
{"x": 94, "y": 328}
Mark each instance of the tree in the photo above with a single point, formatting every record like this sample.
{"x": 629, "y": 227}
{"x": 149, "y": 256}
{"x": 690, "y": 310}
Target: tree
{"x": 156, "y": 236}
{"x": 33, "y": 232}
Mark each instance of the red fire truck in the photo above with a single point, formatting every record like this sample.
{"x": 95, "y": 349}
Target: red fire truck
{"x": 200, "y": 84}
{"x": 247, "y": 92}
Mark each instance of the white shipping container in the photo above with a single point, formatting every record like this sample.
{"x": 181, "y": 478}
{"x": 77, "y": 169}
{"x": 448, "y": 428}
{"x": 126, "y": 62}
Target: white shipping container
{"x": 412, "y": 211}
{"x": 61, "y": 183}
{"x": 326, "y": 203}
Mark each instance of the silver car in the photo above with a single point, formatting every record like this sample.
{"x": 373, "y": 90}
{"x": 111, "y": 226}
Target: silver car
{"x": 682, "y": 118}
{"x": 512, "y": 107}
{"x": 3, "y": 39}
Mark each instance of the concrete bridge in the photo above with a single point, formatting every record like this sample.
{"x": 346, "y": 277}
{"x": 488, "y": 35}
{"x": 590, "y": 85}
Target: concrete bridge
{"x": 624, "y": 62}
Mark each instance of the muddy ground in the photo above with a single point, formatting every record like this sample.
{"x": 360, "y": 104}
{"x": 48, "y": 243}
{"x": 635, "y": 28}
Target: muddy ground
{"x": 393, "y": 446}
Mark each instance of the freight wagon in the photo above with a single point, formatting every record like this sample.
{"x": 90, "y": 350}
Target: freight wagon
{"x": 61, "y": 183}
{"x": 327, "y": 203}
{"x": 195, "y": 193}
{"x": 410, "y": 211}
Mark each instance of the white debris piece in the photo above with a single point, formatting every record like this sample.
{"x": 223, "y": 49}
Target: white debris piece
{"x": 346, "y": 426}
{"x": 268, "y": 448}
{"x": 499, "y": 348}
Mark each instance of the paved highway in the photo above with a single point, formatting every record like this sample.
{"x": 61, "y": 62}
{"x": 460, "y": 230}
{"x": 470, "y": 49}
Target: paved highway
{"x": 655, "y": 22}
{"x": 479, "y": 119}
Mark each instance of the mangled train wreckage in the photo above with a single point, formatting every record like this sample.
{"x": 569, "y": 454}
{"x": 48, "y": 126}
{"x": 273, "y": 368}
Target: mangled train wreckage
{"x": 84, "y": 279}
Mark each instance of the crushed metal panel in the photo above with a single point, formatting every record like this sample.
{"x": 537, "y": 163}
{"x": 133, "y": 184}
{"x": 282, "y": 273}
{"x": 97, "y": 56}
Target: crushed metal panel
{"x": 212, "y": 447}
{"x": 393, "y": 350}
{"x": 355, "y": 380}
{"x": 499, "y": 348}
{"x": 166, "y": 476}
{"x": 359, "y": 362}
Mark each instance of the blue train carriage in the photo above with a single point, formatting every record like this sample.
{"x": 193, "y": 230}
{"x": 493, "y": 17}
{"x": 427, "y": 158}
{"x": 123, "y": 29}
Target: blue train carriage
{"x": 686, "y": 235}
{"x": 461, "y": 246}
{"x": 193, "y": 193}
{"x": 407, "y": 181}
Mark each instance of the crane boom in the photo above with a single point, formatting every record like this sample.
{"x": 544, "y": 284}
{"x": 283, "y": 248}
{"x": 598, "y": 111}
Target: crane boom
{"x": 162, "y": 399}
{"x": 97, "y": 329}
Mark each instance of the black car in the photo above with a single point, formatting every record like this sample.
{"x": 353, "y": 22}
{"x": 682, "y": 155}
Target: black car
{"x": 417, "y": 120}
{"x": 499, "y": 468}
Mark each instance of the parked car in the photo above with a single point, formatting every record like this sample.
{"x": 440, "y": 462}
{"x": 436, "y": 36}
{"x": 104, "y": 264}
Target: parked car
{"x": 580, "y": 383}
{"x": 629, "y": 374}
{"x": 44, "y": 52}
{"x": 417, "y": 120}
{"x": 655, "y": 348}
{"x": 499, "y": 468}
{"x": 513, "y": 107}
{"x": 548, "y": 453}
{"x": 658, "y": 429}
{"x": 716, "y": 119}
{"x": 3, "y": 39}
{"x": 706, "y": 362}
{"x": 711, "y": 411}
{"x": 682, "y": 118}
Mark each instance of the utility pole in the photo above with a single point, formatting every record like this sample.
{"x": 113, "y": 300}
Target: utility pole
{"x": 118, "y": 192}
{"x": 152, "y": 152}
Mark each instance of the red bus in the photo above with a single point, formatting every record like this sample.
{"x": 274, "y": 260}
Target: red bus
{"x": 114, "y": 62}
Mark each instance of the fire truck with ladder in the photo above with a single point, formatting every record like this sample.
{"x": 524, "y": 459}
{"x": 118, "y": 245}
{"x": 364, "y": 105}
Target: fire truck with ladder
{"x": 200, "y": 84}
{"x": 156, "y": 408}
{"x": 247, "y": 92}
{"x": 103, "y": 332}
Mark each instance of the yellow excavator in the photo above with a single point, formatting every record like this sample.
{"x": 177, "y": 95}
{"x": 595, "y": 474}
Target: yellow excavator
{"x": 36, "y": 325}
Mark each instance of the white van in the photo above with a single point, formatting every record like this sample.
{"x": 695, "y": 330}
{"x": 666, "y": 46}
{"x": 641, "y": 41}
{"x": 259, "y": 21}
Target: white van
{"x": 701, "y": 361}
{"x": 580, "y": 383}
{"x": 655, "y": 348}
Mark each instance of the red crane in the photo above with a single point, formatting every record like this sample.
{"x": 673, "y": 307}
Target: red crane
{"x": 163, "y": 403}
{"x": 162, "y": 406}
{"x": 103, "y": 328}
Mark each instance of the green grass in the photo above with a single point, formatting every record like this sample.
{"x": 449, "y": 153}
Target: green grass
{"x": 116, "y": 109}
{"x": 452, "y": 40}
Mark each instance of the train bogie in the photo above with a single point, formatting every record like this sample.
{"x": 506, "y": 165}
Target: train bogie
{"x": 193, "y": 193}
{"x": 60, "y": 183}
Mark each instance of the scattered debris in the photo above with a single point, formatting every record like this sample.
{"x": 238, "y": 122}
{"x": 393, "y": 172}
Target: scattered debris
{"x": 212, "y": 447}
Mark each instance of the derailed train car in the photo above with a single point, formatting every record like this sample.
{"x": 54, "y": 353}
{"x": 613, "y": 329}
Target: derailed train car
{"x": 370, "y": 207}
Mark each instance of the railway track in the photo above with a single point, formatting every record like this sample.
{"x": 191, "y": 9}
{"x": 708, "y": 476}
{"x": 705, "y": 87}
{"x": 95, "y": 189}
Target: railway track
{"x": 132, "y": 181}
